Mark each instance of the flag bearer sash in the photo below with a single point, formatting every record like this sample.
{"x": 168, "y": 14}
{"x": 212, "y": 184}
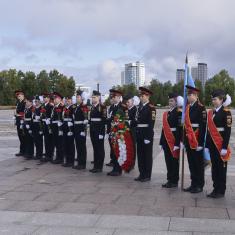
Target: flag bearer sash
{"x": 169, "y": 136}
{"x": 190, "y": 133}
{"x": 216, "y": 137}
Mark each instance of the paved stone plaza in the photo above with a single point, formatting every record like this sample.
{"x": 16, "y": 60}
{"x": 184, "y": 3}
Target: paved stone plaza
{"x": 49, "y": 199}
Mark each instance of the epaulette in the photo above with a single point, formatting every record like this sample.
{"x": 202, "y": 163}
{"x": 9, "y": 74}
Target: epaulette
{"x": 151, "y": 106}
{"x": 227, "y": 109}
{"x": 179, "y": 109}
{"x": 73, "y": 106}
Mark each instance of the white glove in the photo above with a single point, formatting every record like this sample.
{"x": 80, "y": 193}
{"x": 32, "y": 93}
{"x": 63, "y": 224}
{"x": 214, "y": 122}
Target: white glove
{"x": 70, "y": 124}
{"x": 101, "y": 137}
{"x": 59, "y": 124}
{"x": 146, "y": 141}
{"x": 85, "y": 121}
{"x": 60, "y": 133}
{"x": 21, "y": 121}
{"x": 82, "y": 133}
{"x": 30, "y": 132}
{"x": 37, "y": 118}
{"x": 175, "y": 148}
{"x": 181, "y": 145}
{"x": 223, "y": 152}
{"x": 21, "y": 126}
{"x": 106, "y": 136}
{"x": 27, "y": 126}
{"x": 206, "y": 150}
{"x": 48, "y": 122}
{"x": 199, "y": 148}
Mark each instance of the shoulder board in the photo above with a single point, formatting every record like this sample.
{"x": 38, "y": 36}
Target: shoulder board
{"x": 227, "y": 109}
{"x": 73, "y": 106}
{"x": 151, "y": 106}
{"x": 179, "y": 109}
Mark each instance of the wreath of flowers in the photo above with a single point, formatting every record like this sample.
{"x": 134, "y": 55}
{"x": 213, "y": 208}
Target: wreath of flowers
{"x": 122, "y": 142}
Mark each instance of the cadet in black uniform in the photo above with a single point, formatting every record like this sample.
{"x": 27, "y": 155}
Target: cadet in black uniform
{"x": 28, "y": 125}
{"x": 144, "y": 135}
{"x": 57, "y": 130}
{"x": 19, "y": 121}
{"x": 198, "y": 119}
{"x": 117, "y": 106}
{"x": 219, "y": 151}
{"x": 68, "y": 133}
{"x": 131, "y": 112}
{"x": 97, "y": 131}
{"x": 46, "y": 110}
{"x": 80, "y": 131}
{"x": 38, "y": 129}
{"x": 171, "y": 143}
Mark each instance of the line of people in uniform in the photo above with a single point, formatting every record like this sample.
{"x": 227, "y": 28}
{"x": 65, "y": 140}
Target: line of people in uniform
{"x": 63, "y": 128}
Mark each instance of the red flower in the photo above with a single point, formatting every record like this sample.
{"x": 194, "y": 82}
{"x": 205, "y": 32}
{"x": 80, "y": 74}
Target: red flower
{"x": 43, "y": 110}
{"x": 85, "y": 109}
{"x": 58, "y": 110}
{"x": 121, "y": 125}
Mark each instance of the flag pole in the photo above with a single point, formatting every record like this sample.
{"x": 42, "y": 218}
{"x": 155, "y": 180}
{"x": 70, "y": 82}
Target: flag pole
{"x": 183, "y": 113}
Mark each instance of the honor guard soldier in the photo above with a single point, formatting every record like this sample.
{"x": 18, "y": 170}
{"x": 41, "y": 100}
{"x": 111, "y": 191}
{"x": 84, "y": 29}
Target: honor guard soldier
{"x": 57, "y": 122}
{"x": 218, "y": 135}
{"x": 144, "y": 135}
{"x": 38, "y": 129}
{"x": 80, "y": 131}
{"x": 68, "y": 133}
{"x": 97, "y": 122}
{"x": 194, "y": 139}
{"x": 46, "y": 110}
{"x": 131, "y": 111}
{"x": 19, "y": 121}
{"x": 116, "y": 107}
{"x": 170, "y": 139}
{"x": 28, "y": 127}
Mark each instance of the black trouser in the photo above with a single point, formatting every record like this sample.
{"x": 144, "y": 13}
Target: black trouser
{"x": 172, "y": 165}
{"x": 29, "y": 144}
{"x": 69, "y": 147}
{"x": 81, "y": 148}
{"x": 38, "y": 139}
{"x": 218, "y": 169}
{"x": 116, "y": 166}
{"x": 48, "y": 142}
{"x": 196, "y": 167}
{"x": 133, "y": 134}
{"x": 21, "y": 136}
{"x": 145, "y": 157}
{"x": 58, "y": 140}
{"x": 98, "y": 149}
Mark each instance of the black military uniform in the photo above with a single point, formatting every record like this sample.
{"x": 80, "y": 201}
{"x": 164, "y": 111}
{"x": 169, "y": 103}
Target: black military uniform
{"x": 198, "y": 119}
{"x": 97, "y": 122}
{"x": 222, "y": 119}
{"x": 115, "y": 108}
{"x": 37, "y": 129}
{"x": 68, "y": 135}
{"x": 28, "y": 126}
{"x": 19, "y": 122}
{"x": 57, "y": 130}
{"x": 144, "y": 136}
{"x": 80, "y": 132}
{"x": 46, "y": 110}
{"x": 172, "y": 163}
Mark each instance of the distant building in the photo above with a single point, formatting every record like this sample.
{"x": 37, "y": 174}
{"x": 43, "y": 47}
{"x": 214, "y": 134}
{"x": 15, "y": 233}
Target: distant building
{"x": 134, "y": 73}
{"x": 180, "y": 73}
{"x": 202, "y": 73}
{"x": 194, "y": 73}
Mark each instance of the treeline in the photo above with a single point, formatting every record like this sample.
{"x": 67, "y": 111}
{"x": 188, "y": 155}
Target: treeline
{"x": 33, "y": 84}
{"x": 222, "y": 80}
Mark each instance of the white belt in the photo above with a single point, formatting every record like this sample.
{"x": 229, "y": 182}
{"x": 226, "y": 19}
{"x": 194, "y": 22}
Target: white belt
{"x": 67, "y": 119}
{"x": 36, "y": 121}
{"x": 96, "y": 119}
{"x": 143, "y": 125}
{"x": 43, "y": 119}
{"x": 27, "y": 119}
{"x": 173, "y": 129}
{"x": 220, "y": 129}
{"x": 55, "y": 121}
{"x": 78, "y": 122}
{"x": 195, "y": 125}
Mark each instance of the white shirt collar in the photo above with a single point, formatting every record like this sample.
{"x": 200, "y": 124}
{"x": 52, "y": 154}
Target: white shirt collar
{"x": 193, "y": 103}
{"x": 131, "y": 107}
{"x": 172, "y": 109}
{"x": 217, "y": 109}
{"x": 145, "y": 103}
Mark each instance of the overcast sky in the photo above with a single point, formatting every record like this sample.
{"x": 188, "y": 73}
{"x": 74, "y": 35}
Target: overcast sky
{"x": 93, "y": 39}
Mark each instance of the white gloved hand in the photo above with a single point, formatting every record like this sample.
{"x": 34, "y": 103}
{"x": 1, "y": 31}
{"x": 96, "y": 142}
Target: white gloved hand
{"x": 59, "y": 124}
{"x": 60, "y": 133}
{"x": 106, "y": 136}
{"x": 48, "y": 122}
{"x": 21, "y": 126}
{"x": 223, "y": 152}
{"x": 176, "y": 148}
{"x": 206, "y": 150}
{"x": 199, "y": 148}
{"x": 101, "y": 137}
{"x": 30, "y": 132}
{"x": 37, "y": 118}
{"x": 21, "y": 121}
{"x": 82, "y": 133}
{"x": 27, "y": 126}
{"x": 85, "y": 121}
{"x": 70, "y": 124}
{"x": 146, "y": 141}
{"x": 181, "y": 145}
